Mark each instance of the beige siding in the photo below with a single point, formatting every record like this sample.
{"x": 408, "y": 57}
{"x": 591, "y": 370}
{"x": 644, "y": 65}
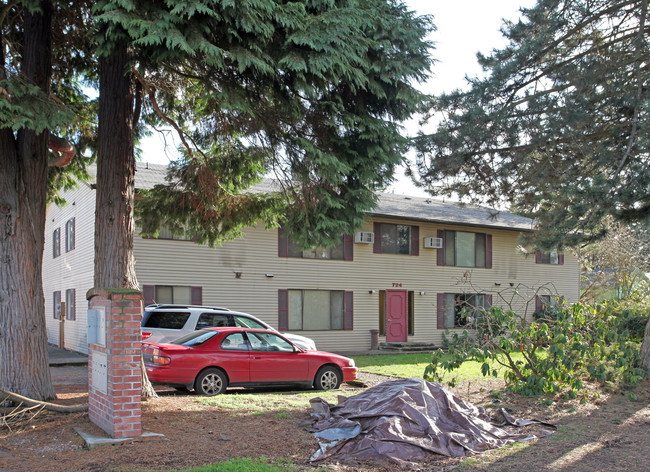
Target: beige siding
{"x": 72, "y": 269}
{"x": 513, "y": 280}
{"x": 164, "y": 262}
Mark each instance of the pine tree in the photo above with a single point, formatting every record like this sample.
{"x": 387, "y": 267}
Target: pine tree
{"x": 558, "y": 127}
{"x": 310, "y": 91}
{"x": 40, "y": 101}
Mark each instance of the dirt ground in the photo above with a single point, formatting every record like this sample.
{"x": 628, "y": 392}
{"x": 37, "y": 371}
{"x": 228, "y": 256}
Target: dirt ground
{"x": 610, "y": 433}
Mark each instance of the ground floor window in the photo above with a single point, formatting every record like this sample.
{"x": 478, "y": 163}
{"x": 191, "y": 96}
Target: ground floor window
{"x": 172, "y": 294}
{"x": 314, "y": 310}
{"x": 458, "y": 310}
{"x": 70, "y": 304}
{"x": 56, "y": 299}
{"x": 546, "y": 303}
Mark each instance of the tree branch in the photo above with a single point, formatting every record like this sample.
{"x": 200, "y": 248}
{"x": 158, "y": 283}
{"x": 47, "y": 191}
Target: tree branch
{"x": 63, "y": 150}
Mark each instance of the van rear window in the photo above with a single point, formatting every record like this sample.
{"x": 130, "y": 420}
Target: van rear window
{"x": 166, "y": 319}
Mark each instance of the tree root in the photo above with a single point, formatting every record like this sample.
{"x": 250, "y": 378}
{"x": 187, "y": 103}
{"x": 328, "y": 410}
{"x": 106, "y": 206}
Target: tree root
{"x": 48, "y": 406}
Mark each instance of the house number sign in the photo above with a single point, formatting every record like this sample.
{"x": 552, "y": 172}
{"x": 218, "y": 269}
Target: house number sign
{"x": 397, "y": 284}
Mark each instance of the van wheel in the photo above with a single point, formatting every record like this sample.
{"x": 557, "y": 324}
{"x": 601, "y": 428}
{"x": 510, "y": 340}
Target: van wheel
{"x": 211, "y": 382}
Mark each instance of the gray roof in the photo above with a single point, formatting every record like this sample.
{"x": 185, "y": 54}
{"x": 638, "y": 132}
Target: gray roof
{"x": 438, "y": 211}
{"x": 389, "y": 205}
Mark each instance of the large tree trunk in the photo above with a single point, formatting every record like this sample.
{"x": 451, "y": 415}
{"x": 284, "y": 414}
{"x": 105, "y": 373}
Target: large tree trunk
{"x": 114, "y": 225}
{"x": 24, "y": 365}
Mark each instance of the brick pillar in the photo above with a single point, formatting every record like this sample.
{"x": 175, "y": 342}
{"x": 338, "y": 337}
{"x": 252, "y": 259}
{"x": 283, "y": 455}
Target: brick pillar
{"x": 114, "y": 382}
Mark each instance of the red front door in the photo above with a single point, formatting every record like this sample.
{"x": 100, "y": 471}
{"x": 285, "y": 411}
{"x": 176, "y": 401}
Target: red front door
{"x": 396, "y": 316}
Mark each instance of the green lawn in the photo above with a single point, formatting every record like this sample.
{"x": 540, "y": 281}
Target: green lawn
{"x": 413, "y": 365}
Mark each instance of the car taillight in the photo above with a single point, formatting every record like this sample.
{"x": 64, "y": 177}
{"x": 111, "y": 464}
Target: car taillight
{"x": 145, "y": 336}
{"x": 161, "y": 360}
{"x": 154, "y": 356}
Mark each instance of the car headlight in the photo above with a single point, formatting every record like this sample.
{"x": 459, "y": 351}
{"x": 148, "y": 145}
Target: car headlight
{"x": 351, "y": 363}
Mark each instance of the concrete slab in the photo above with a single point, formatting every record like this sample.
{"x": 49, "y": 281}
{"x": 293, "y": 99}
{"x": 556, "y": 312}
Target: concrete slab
{"x": 95, "y": 441}
{"x": 60, "y": 356}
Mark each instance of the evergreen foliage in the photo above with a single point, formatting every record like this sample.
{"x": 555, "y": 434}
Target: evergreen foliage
{"x": 558, "y": 127}
{"x": 310, "y": 92}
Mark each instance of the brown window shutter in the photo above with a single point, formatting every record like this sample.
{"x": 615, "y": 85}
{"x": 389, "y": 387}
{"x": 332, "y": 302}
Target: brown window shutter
{"x": 149, "y": 294}
{"x": 382, "y": 312}
{"x": 197, "y": 295}
{"x": 488, "y": 251}
{"x": 411, "y": 311}
{"x": 415, "y": 240}
{"x": 441, "y": 251}
{"x": 376, "y": 247}
{"x": 348, "y": 247}
{"x": 488, "y": 301}
{"x": 348, "y": 321}
{"x": 283, "y": 310}
{"x": 538, "y": 257}
{"x": 283, "y": 243}
{"x": 560, "y": 259}
{"x": 538, "y": 303}
{"x": 441, "y": 311}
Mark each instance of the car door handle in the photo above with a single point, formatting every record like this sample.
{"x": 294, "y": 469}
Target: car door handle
{"x": 257, "y": 357}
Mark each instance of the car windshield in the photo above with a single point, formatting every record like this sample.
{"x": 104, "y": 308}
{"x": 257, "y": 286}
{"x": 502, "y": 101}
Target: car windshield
{"x": 195, "y": 338}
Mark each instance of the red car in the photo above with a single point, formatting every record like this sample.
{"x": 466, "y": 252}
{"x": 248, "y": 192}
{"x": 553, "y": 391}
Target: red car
{"x": 211, "y": 359}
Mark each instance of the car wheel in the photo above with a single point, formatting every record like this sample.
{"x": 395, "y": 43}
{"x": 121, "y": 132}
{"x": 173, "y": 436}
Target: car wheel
{"x": 211, "y": 382}
{"x": 327, "y": 378}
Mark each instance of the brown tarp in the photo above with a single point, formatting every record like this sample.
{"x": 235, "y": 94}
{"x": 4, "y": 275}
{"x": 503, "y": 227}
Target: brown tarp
{"x": 407, "y": 420}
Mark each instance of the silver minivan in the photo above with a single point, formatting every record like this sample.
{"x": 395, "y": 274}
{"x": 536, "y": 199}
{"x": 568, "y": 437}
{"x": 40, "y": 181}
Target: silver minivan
{"x": 163, "y": 323}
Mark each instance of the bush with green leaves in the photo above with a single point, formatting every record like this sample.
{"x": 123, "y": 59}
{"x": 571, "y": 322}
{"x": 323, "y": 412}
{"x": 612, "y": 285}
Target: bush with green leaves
{"x": 562, "y": 348}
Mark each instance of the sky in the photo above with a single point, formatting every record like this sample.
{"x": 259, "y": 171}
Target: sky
{"x": 464, "y": 27}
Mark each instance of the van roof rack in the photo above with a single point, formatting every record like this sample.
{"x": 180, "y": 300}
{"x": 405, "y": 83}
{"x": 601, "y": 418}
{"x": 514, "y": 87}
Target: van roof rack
{"x": 172, "y": 305}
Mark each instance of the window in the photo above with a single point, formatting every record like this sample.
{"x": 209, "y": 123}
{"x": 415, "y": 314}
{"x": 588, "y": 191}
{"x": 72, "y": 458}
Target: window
{"x": 269, "y": 342}
{"x": 545, "y": 305}
{"x": 195, "y": 338}
{"x": 172, "y": 294}
{"x": 212, "y": 320}
{"x": 69, "y": 235}
{"x": 56, "y": 243}
{"x": 314, "y": 310}
{"x": 465, "y": 249}
{"x": 457, "y": 310}
{"x": 551, "y": 257}
{"x": 57, "y": 305}
{"x": 243, "y": 322}
{"x": 70, "y": 304}
{"x": 234, "y": 342}
{"x": 166, "y": 319}
{"x": 396, "y": 239}
{"x": 342, "y": 251}
{"x": 180, "y": 235}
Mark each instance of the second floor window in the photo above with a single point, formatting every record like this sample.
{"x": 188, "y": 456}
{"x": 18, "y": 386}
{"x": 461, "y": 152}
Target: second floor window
{"x": 69, "y": 235}
{"x": 551, "y": 257}
{"x": 396, "y": 239}
{"x": 342, "y": 251}
{"x": 56, "y": 243}
{"x": 465, "y": 249}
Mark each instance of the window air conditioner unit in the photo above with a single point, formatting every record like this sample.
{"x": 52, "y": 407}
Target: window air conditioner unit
{"x": 433, "y": 243}
{"x": 364, "y": 237}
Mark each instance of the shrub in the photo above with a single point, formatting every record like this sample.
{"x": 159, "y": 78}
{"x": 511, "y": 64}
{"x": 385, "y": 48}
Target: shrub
{"x": 559, "y": 350}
